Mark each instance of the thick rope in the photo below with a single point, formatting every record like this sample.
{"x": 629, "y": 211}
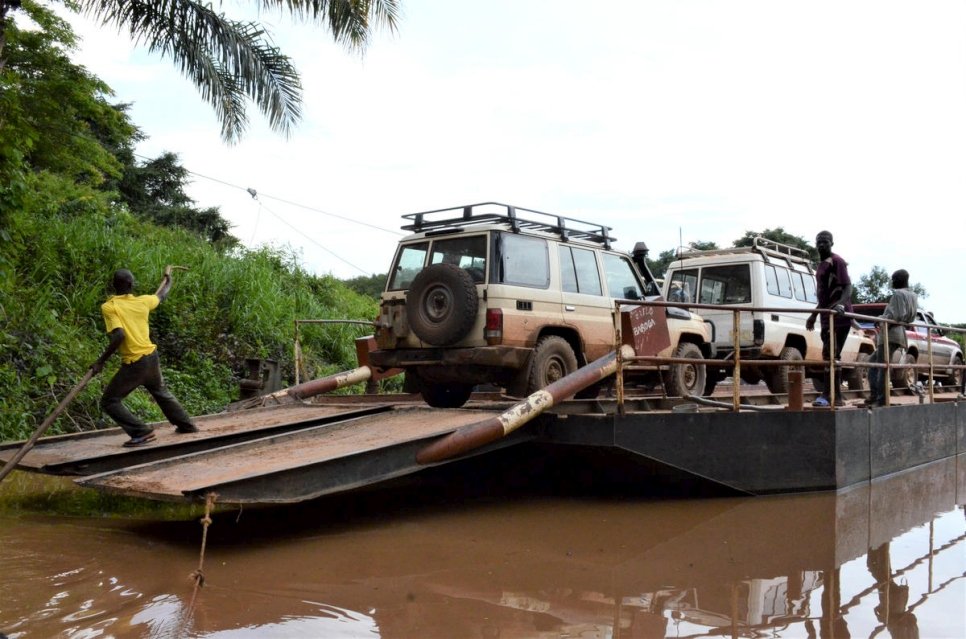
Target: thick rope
{"x": 198, "y": 575}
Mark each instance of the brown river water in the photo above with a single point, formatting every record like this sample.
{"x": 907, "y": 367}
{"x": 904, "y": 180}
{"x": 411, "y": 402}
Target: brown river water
{"x": 457, "y": 555}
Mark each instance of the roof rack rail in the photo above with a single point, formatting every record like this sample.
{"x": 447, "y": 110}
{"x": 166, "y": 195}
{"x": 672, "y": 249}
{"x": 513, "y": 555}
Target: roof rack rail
{"x": 759, "y": 245}
{"x": 516, "y": 217}
{"x": 763, "y": 243}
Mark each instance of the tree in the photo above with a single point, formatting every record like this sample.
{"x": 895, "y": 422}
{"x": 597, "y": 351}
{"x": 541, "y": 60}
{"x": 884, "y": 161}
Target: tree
{"x": 782, "y": 237}
{"x": 54, "y": 114}
{"x": 229, "y": 61}
{"x": 664, "y": 258}
{"x": 371, "y": 285}
{"x": 155, "y": 190}
{"x": 874, "y": 287}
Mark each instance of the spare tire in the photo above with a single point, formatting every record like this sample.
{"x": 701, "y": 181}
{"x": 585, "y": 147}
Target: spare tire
{"x": 442, "y": 304}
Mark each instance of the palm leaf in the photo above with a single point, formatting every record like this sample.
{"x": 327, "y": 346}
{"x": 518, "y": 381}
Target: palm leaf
{"x": 227, "y": 60}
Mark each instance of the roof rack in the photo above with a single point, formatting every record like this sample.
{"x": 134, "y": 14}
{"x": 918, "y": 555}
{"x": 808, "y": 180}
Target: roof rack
{"x": 759, "y": 245}
{"x": 516, "y": 217}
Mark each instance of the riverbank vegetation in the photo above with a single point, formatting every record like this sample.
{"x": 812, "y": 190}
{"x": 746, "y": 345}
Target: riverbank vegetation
{"x": 76, "y": 204}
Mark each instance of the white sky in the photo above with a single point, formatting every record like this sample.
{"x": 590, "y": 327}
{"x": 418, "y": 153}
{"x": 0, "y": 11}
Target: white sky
{"x": 664, "y": 119}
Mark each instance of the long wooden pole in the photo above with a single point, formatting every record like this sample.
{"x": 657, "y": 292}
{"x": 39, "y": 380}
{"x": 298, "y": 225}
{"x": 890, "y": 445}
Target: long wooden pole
{"x": 8, "y": 468}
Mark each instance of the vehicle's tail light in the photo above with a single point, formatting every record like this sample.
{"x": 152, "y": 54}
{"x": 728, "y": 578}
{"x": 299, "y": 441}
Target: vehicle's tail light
{"x": 758, "y": 331}
{"x": 494, "y": 326}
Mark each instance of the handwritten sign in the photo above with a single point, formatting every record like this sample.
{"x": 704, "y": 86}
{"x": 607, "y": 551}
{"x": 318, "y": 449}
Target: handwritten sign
{"x": 644, "y": 328}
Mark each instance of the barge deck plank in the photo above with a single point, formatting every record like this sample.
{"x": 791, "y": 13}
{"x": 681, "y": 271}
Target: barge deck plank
{"x": 293, "y": 466}
{"x": 99, "y": 451}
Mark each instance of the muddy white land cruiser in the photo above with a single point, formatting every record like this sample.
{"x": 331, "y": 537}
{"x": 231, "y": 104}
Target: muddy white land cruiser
{"x": 767, "y": 275}
{"x": 495, "y": 294}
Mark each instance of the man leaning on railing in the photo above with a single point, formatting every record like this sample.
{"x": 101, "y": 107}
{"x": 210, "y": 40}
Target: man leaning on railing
{"x": 902, "y": 307}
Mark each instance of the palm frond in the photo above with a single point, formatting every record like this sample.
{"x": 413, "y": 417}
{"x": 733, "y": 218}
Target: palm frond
{"x": 348, "y": 20}
{"x": 227, "y": 60}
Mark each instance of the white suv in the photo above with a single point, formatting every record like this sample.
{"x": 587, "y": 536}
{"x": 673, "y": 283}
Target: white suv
{"x": 765, "y": 275}
{"x": 496, "y": 294}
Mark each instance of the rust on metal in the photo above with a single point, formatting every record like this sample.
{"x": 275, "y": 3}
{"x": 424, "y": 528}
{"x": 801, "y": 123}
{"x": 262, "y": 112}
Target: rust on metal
{"x": 796, "y": 382}
{"x": 305, "y": 390}
{"x": 491, "y": 429}
{"x": 644, "y": 328}
{"x": 245, "y": 472}
{"x": 364, "y": 346}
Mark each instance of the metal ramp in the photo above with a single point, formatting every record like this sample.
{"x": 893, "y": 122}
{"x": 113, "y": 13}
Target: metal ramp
{"x": 273, "y": 455}
{"x": 98, "y": 451}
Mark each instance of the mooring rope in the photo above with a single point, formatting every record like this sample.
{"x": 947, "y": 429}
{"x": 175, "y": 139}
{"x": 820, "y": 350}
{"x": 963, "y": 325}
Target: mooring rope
{"x": 198, "y": 575}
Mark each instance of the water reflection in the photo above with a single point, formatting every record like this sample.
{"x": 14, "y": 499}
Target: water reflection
{"x": 886, "y": 559}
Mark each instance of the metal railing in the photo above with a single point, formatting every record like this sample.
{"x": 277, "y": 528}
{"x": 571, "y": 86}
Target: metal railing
{"x": 736, "y": 361}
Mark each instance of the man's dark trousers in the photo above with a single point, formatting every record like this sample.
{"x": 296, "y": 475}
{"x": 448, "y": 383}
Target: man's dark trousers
{"x": 144, "y": 372}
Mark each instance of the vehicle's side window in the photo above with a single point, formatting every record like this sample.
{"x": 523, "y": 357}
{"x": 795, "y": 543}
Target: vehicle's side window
{"x": 810, "y": 294}
{"x": 784, "y": 282}
{"x": 622, "y": 283}
{"x": 798, "y": 285}
{"x": 468, "y": 253}
{"x": 683, "y": 285}
{"x": 524, "y": 261}
{"x": 568, "y": 274}
{"x": 771, "y": 280}
{"x": 409, "y": 262}
{"x": 578, "y": 271}
{"x": 729, "y": 284}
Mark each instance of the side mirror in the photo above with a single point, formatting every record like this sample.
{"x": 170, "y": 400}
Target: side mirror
{"x": 630, "y": 293}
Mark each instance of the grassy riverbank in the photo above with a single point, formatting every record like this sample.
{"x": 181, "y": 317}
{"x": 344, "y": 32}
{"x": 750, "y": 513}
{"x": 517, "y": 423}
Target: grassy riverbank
{"x": 229, "y": 306}
{"x": 29, "y": 493}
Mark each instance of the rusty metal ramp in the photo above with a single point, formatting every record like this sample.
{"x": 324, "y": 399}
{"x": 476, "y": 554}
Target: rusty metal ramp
{"x": 298, "y": 465}
{"x": 101, "y": 450}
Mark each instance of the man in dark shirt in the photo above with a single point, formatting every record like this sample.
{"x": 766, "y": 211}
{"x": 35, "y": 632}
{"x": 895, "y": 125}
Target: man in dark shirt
{"x": 834, "y": 289}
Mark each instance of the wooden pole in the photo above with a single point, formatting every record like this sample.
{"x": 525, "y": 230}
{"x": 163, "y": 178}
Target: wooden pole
{"x": 46, "y": 424}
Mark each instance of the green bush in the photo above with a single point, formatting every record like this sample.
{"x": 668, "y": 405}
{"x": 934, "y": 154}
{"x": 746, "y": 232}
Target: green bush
{"x": 67, "y": 241}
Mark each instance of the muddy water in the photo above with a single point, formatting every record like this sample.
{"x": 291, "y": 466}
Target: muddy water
{"x": 459, "y": 559}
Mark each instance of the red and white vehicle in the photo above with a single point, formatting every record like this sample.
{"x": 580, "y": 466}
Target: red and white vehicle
{"x": 946, "y": 352}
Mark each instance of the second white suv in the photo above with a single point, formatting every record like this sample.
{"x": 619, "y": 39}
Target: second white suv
{"x": 765, "y": 275}
{"x": 496, "y": 294}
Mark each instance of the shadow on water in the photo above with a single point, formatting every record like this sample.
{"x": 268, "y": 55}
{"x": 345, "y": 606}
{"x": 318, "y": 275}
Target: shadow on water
{"x": 518, "y": 476}
{"x": 513, "y": 549}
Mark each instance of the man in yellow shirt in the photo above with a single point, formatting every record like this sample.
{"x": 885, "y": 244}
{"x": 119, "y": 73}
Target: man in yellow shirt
{"x": 126, "y": 319}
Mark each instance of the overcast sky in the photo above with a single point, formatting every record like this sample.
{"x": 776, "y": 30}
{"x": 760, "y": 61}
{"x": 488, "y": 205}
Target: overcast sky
{"x": 670, "y": 120}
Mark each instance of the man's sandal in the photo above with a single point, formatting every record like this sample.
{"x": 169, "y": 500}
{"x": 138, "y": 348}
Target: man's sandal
{"x": 140, "y": 441}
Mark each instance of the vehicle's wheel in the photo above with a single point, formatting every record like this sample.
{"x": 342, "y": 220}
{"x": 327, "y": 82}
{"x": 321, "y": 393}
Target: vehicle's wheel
{"x": 956, "y": 379}
{"x": 442, "y": 304}
{"x": 552, "y": 359}
{"x": 858, "y": 377}
{"x": 445, "y": 395}
{"x": 777, "y": 379}
{"x": 684, "y": 380}
{"x": 903, "y": 377}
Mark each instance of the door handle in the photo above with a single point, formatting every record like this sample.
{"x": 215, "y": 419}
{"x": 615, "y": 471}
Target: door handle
{"x": 570, "y": 308}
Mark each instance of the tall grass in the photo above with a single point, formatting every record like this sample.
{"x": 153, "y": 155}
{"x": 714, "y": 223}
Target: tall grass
{"x": 224, "y": 309}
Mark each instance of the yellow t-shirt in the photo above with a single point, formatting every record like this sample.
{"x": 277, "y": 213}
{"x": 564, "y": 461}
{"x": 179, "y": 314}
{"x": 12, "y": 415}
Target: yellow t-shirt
{"x": 131, "y": 314}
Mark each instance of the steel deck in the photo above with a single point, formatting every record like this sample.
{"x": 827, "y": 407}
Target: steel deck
{"x": 294, "y": 452}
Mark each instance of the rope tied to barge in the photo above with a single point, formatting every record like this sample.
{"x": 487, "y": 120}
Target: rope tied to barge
{"x": 198, "y": 574}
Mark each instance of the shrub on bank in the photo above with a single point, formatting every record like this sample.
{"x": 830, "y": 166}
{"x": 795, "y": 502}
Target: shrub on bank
{"x": 62, "y": 248}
